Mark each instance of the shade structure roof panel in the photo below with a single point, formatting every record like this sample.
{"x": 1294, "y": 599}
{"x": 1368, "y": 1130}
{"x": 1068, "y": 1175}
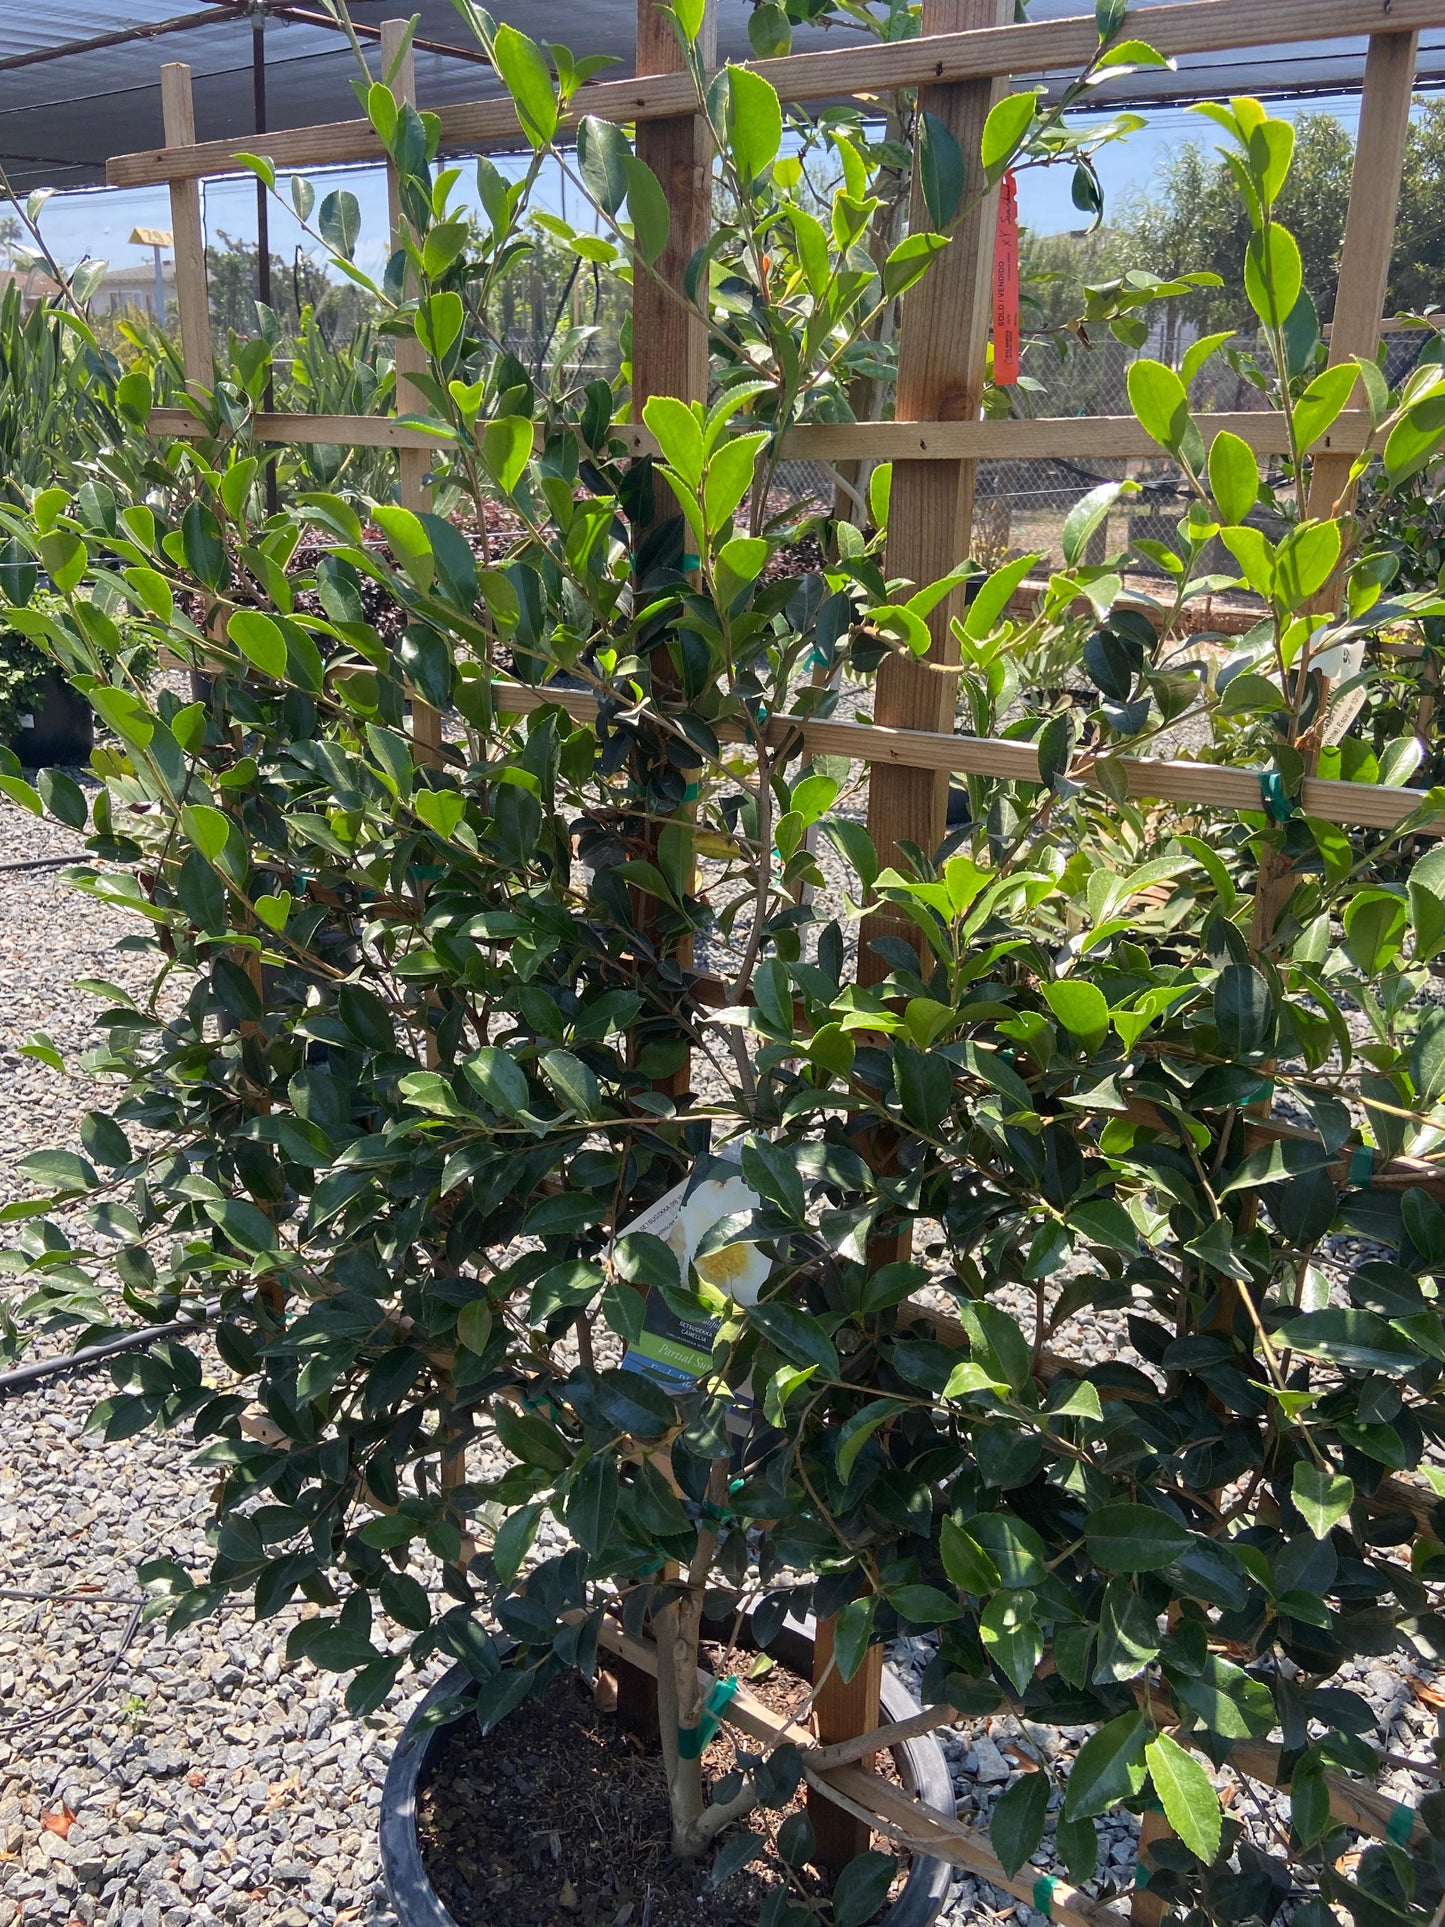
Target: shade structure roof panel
{"x": 61, "y": 118}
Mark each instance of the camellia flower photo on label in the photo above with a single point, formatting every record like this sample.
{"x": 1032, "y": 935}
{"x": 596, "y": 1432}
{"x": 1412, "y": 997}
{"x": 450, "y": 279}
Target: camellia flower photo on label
{"x": 741, "y": 1270}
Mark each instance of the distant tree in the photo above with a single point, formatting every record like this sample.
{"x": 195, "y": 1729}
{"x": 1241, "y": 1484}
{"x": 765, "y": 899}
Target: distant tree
{"x": 1193, "y": 219}
{"x": 1080, "y": 370}
{"x": 1417, "y": 278}
{"x": 231, "y": 269}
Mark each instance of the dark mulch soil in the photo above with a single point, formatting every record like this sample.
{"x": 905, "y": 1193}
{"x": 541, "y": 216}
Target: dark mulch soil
{"x": 559, "y": 1819}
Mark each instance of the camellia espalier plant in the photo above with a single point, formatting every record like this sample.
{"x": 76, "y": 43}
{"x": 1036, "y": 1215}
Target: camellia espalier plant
{"x": 411, "y": 1072}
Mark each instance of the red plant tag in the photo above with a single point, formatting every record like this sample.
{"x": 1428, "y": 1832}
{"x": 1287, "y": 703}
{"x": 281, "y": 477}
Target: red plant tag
{"x": 1006, "y": 285}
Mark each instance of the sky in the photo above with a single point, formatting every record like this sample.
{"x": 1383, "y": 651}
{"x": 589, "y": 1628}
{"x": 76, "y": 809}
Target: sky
{"x": 97, "y": 223}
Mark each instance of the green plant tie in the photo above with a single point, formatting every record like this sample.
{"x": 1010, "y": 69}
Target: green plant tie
{"x": 817, "y": 658}
{"x": 1044, "y": 1895}
{"x": 1400, "y": 1826}
{"x": 1362, "y": 1167}
{"x": 1141, "y": 1875}
{"x": 692, "y": 1739}
{"x": 691, "y": 793}
{"x": 690, "y": 562}
{"x": 1279, "y": 806}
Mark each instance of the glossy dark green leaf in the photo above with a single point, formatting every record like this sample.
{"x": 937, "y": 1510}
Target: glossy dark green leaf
{"x": 1110, "y": 1768}
{"x": 1016, "y": 1825}
{"x": 1128, "y": 1537}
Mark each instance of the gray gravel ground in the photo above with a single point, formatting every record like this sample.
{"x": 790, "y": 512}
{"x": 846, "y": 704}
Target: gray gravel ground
{"x": 208, "y": 1780}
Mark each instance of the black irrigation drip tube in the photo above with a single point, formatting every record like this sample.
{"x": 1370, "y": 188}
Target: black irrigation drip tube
{"x": 24, "y": 1377}
{"x": 41, "y": 863}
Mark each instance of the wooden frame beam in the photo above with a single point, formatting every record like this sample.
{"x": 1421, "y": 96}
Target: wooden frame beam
{"x": 1042, "y": 47}
{"x": 1066, "y": 437}
{"x": 1206, "y": 786}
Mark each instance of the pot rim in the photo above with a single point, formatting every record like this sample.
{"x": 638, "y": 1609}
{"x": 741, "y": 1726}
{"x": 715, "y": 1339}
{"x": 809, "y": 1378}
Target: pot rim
{"x": 922, "y": 1768}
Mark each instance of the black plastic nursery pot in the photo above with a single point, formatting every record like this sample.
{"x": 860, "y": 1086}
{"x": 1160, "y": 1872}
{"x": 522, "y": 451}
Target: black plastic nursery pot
{"x": 58, "y": 731}
{"x": 920, "y": 1762}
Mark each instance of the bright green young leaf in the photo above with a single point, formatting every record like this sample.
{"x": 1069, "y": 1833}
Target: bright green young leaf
{"x": 1321, "y": 403}
{"x": 506, "y": 449}
{"x": 209, "y": 829}
{"x": 1273, "y": 274}
{"x": 1012, "y": 1637}
{"x": 259, "y": 640}
{"x": 1322, "y": 1497}
{"x": 1005, "y": 131}
{"x": 1233, "y": 476}
{"x": 1304, "y": 562}
{"x": 522, "y": 68}
{"x": 1187, "y": 1795}
{"x": 730, "y": 474}
{"x": 1081, "y": 1008}
{"x": 679, "y": 436}
{"x": 1089, "y": 513}
{"x": 755, "y": 122}
{"x": 1158, "y": 398}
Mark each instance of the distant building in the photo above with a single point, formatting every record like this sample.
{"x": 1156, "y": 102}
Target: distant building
{"x": 133, "y": 287}
{"x": 33, "y": 285}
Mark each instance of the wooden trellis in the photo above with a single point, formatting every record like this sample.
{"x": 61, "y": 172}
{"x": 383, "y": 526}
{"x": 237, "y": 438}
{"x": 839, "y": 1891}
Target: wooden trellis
{"x": 967, "y": 55}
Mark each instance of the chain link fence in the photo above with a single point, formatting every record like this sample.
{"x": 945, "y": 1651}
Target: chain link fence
{"x": 1020, "y": 507}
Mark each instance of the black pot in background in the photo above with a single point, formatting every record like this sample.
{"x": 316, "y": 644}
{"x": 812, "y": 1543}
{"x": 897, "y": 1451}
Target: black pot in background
{"x": 921, "y": 1767}
{"x": 62, "y": 732}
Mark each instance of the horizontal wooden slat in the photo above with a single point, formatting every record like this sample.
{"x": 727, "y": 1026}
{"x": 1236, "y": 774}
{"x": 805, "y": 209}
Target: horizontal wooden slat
{"x": 1203, "y": 785}
{"x": 338, "y": 431}
{"x": 1040, "y": 47}
{"x": 1065, "y": 436}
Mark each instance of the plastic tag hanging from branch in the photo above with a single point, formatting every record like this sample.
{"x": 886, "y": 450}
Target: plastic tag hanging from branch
{"x": 1006, "y": 285}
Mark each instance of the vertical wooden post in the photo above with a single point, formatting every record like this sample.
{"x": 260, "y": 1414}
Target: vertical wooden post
{"x": 942, "y": 345}
{"x": 1145, "y": 1908}
{"x": 1369, "y": 226}
{"x": 669, "y": 335}
{"x": 188, "y": 242}
{"x": 1365, "y": 274}
{"x": 941, "y": 359}
{"x": 426, "y": 724}
{"x": 842, "y": 1710}
{"x": 669, "y": 339}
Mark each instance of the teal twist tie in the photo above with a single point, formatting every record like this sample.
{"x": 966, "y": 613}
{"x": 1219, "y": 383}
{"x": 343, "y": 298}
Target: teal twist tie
{"x": 1279, "y": 806}
{"x": 692, "y": 1739}
{"x": 1044, "y": 1896}
{"x": 1400, "y": 1826}
{"x": 1362, "y": 1167}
